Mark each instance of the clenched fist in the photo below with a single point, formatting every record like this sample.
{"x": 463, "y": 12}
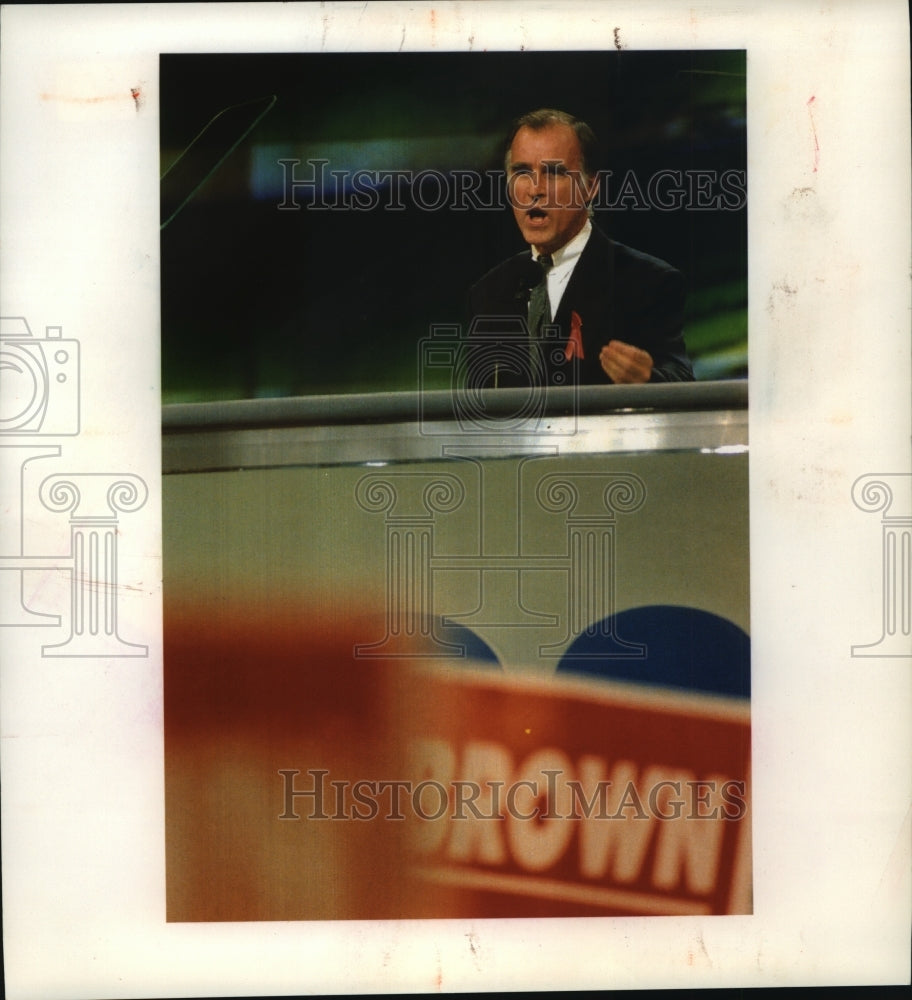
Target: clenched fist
{"x": 625, "y": 364}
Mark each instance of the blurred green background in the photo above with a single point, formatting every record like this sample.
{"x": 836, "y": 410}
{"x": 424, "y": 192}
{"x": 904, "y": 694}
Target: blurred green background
{"x": 261, "y": 301}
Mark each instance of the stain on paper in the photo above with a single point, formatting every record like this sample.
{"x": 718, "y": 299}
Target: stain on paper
{"x": 814, "y": 132}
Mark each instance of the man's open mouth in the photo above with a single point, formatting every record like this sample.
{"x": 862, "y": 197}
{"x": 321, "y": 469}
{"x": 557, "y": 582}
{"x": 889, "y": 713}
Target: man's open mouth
{"x": 536, "y": 213}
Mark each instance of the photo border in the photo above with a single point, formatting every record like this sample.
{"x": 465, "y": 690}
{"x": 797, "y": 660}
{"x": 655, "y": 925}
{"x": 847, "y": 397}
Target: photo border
{"x": 828, "y": 161}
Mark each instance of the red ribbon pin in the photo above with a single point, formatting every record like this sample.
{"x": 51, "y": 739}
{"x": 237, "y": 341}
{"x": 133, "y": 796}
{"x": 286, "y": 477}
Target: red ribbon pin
{"x": 574, "y": 348}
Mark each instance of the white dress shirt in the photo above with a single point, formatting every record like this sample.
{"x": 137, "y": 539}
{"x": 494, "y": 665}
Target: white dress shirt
{"x": 565, "y": 260}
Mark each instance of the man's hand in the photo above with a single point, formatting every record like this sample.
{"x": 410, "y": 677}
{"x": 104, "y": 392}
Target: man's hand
{"x": 624, "y": 363}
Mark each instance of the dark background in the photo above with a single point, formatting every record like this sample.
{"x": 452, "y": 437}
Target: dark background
{"x": 258, "y": 301}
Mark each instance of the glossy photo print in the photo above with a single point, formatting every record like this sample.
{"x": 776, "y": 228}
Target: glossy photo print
{"x": 455, "y": 497}
{"x": 455, "y": 494}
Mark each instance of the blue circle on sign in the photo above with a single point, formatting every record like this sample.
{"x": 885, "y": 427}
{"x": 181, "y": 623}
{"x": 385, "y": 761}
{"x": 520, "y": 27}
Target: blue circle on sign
{"x": 666, "y": 646}
{"x": 475, "y": 649}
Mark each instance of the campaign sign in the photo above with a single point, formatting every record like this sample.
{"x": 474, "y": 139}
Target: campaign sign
{"x": 582, "y": 798}
{"x": 305, "y": 782}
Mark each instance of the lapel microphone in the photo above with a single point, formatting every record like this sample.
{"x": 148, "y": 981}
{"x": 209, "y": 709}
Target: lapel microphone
{"x": 529, "y": 274}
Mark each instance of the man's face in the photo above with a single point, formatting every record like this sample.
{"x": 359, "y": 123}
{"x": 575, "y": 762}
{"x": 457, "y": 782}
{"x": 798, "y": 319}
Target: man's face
{"x": 546, "y": 185}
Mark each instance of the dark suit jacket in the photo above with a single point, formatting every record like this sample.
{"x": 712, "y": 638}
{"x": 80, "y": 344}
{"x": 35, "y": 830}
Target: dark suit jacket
{"x": 618, "y": 294}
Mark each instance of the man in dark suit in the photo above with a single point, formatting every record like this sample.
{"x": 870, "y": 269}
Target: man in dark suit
{"x": 613, "y": 314}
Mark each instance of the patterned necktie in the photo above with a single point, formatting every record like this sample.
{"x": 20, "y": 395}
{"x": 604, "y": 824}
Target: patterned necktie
{"x": 539, "y": 304}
